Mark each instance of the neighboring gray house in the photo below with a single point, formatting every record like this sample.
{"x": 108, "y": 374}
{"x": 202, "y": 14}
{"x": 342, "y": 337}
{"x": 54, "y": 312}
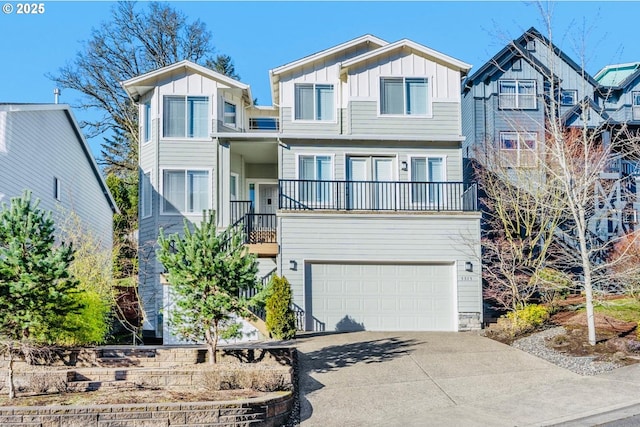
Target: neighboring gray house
{"x": 42, "y": 149}
{"x": 350, "y": 186}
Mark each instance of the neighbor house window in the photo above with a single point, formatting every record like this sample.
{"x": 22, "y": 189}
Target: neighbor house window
{"x": 185, "y": 191}
{"x": 185, "y": 117}
{"x": 147, "y": 121}
{"x": 404, "y": 95}
{"x": 315, "y": 174}
{"x": 57, "y": 190}
{"x": 518, "y": 149}
{"x": 314, "y": 102}
{"x": 233, "y": 186}
{"x": 636, "y": 105}
{"x": 517, "y": 94}
{"x": 568, "y": 97}
{"x": 146, "y": 195}
{"x": 229, "y": 115}
{"x": 428, "y": 174}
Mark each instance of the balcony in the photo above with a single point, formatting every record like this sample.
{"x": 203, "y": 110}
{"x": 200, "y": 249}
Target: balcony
{"x": 386, "y": 196}
{"x": 259, "y": 230}
{"x": 264, "y": 124}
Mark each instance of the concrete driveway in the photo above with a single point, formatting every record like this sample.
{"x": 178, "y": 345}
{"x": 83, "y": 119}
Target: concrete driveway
{"x": 432, "y": 378}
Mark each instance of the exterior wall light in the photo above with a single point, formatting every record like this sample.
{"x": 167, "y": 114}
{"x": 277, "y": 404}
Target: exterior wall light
{"x": 404, "y": 166}
{"x": 293, "y": 264}
{"x": 468, "y": 266}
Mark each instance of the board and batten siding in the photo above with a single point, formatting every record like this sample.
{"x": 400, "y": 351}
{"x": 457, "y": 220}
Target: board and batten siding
{"x": 38, "y": 145}
{"x": 308, "y": 237}
{"x": 364, "y": 119}
{"x": 399, "y": 150}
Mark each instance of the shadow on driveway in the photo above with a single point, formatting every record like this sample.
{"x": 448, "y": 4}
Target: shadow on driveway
{"x": 317, "y": 355}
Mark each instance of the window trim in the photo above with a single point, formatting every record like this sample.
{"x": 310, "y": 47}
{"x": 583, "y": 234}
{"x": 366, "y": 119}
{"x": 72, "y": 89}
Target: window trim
{"x": 146, "y": 129}
{"x": 575, "y": 97}
{"x": 332, "y": 177}
{"x": 428, "y": 114}
{"x": 519, "y": 147}
{"x": 143, "y": 195}
{"x": 185, "y": 169}
{"x": 224, "y": 114}
{"x": 517, "y": 94}
{"x": 315, "y": 112}
{"x": 410, "y": 158}
{"x": 186, "y": 126}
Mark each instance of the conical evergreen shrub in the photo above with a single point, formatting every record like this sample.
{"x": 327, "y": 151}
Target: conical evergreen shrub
{"x": 281, "y": 320}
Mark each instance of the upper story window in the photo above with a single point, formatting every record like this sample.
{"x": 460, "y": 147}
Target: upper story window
{"x": 146, "y": 193}
{"x": 315, "y": 172}
{"x": 568, "y": 97}
{"x": 146, "y": 133}
{"x": 404, "y": 96}
{"x": 517, "y": 94}
{"x": 314, "y": 102}
{"x": 185, "y": 117}
{"x": 518, "y": 149}
{"x": 229, "y": 115}
{"x": 636, "y": 105}
{"x": 185, "y": 191}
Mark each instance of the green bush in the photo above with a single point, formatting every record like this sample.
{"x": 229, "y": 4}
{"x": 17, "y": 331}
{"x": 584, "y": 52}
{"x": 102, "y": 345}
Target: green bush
{"x": 528, "y": 318}
{"x": 281, "y": 320}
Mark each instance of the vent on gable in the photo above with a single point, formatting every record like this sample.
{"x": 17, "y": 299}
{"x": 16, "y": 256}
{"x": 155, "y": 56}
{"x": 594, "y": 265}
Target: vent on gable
{"x": 516, "y": 65}
{"x": 531, "y": 45}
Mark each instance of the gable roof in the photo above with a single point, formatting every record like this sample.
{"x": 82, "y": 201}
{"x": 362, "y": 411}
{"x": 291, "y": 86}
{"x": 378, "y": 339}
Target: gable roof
{"x": 275, "y": 72}
{"x": 618, "y": 75}
{"x": 403, "y": 44}
{"x": 513, "y": 50}
{"x": 80, "y": 137}
{"x": 575, "y": 111}
{"x": 138, "y": 86}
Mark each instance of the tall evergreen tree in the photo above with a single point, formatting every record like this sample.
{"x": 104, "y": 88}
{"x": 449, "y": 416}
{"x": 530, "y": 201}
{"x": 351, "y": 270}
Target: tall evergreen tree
{"x": 206, "y": 271}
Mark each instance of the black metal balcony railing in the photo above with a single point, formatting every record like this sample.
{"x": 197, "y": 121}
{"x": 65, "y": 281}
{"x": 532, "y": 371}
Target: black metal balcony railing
{"x": 377, "y": 195}
{"x": 240, "y": 208}
{"x": 270, "y": 124}
{"x": 260, "y": 228}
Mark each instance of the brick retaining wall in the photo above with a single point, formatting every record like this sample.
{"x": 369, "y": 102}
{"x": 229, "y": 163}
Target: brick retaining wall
{"x": 268, "y": 411}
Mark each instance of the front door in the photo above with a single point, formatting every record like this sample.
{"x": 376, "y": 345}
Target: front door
{"x": 267, "y": 198}
{"x": 370, "y": 188}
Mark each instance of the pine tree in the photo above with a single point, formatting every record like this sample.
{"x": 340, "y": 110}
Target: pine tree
{"x": 206, "y": 271}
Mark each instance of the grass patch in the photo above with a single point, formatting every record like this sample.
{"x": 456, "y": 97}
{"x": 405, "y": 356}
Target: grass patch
{"x": 625, "y": 309}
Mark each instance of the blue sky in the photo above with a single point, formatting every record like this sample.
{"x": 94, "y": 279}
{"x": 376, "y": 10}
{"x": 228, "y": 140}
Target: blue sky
{"x": 263, "y": 35}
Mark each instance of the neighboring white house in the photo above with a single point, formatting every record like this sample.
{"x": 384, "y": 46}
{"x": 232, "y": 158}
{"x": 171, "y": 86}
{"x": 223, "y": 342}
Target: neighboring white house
{"x": 350, "y": 185}
{"x": 42, "y": 150}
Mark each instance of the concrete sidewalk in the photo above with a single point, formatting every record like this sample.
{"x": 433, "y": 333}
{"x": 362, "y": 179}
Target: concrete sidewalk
{"x": 431, "y": 378}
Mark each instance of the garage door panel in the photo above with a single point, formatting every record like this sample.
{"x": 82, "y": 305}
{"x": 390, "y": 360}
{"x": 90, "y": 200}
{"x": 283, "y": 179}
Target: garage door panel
{"x": 382, "y": 297}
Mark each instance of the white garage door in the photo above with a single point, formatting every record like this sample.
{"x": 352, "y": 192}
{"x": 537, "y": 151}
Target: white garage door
{"x": 387, "y": 297}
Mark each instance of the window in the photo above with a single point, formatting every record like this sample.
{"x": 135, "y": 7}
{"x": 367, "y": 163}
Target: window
{"x": 185, "y": 117}
{"x": 568, "y": 97}
{"x": 57, "y": 193}
{"x": 233, "y": 186}
{"x": 518, "y": 149}
{"x": 312, "y": 170}
{"x": 147, "y": 122}
{"x": 636, "y": 105}
{"x": 516, "y": 65}
{"x": 229, "y": 115}
{"x": 531, "y": 45}
{"x": 404, "y": 96}
{"x": 185, "y": 191}
{"x": 517, "y": 94}
{"x": 145, "y": 195}
{"x": 428, "y": 174}
{"x": 314, "y": 102}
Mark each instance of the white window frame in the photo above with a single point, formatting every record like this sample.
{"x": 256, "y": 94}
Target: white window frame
{"x": 428, "y": 114}
{"x": 332, "y": 178}
{"x": 635, "y": 107}
{"x": 574, "y": 97}
{"x": 225, "y": 114}
{"x": 517, "y": 95}
{"x": 234, "y": 196}
{"x": 146, "y": 128}
{"x": 186, "y": 193}
{"x": 519, "y": 149}
{"x": 186, "y": 118}
{"x": 146, "y": 195}
{"x": 315, "y": 119}
{"x": 410, "y": 172}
